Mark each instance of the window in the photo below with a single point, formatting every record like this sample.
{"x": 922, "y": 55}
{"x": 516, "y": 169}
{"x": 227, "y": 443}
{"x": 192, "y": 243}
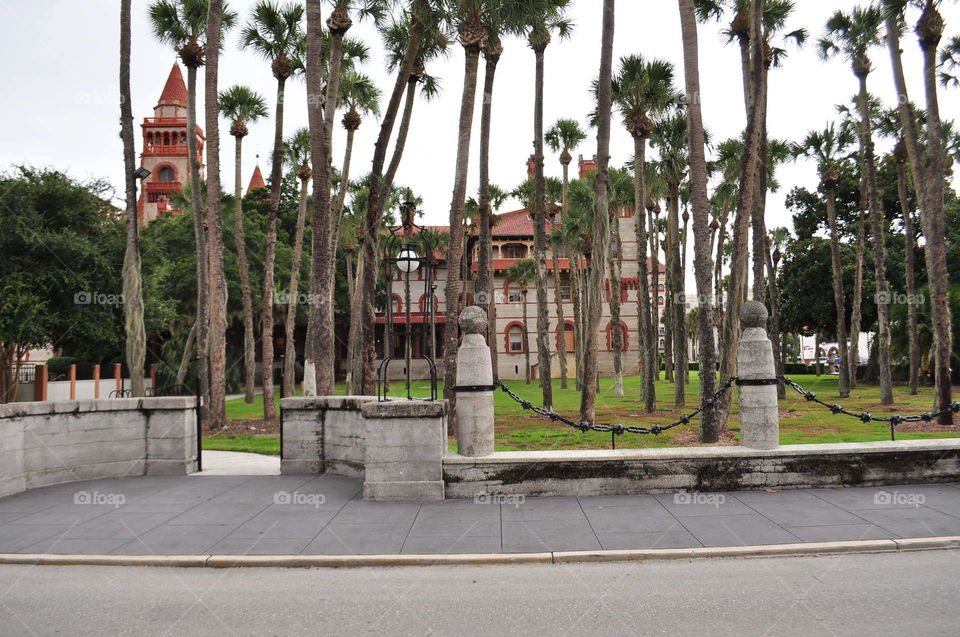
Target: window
{"x": 659, "y": 300}
{"x": 515, "y": 338}
{"x": 565, "y": 288}
{"x": 514, "y": 251}
{"x": 165, "y": 175}
{"x": 568, "y": 340}
{"x": 625, "y": 345}
{"x": 397, "y": 304}
{"x": 514, "y": 293}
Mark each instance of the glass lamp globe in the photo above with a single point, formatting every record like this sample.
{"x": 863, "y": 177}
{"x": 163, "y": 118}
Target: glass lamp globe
{"x": 408, "y": 260}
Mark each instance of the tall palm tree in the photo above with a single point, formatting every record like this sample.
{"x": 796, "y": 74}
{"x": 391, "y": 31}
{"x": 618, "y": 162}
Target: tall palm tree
{"x": 297, "y": 155}
{"x": 135, "y": 338}
{"x": 562, "y": 137}
{"x": 929, "y": 30}
{"x": 601, "y": 222}
{"x": 643, "y": 89}
{"x": 669, "y": 135}
{"x": 273, "y": 32}
{"x": 217, "y": 283}
{"x": 183, "y": 25}
{"x": 361, "y": 349}
{"x": 468, "y": 18}
{"x": 827, "y": 148}
{"x": 851, "y": 35}
{"x": 575, "y": 234}
{"x": 545, "y": 18}
{"x": 504, "y": 17}
{"x": 243, "y": 106}
{"x": 888, "y": 125}
{"x": 524, "y": 273}
{"x": 620, "y": 198}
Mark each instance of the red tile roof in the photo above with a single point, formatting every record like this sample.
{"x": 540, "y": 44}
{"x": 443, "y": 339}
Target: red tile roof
{"x": 174, "y": 91}
{"x": 256, "y": 181}
{"x": 517, "y": 223}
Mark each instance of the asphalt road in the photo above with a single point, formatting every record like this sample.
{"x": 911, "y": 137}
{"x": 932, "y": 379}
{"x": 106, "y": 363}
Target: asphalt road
{"x": 886, "y": 594}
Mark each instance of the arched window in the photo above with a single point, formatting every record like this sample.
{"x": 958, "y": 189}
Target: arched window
{"x": 166, "y": 175}
{"x": 660, "y": 300}
{"x": 623, "y": 331}
{"x": 425, "y": 306}
{"x": 515, "y": 344}
{"x": 166, "y": 138}
{"x": 397, "y": 305}
{"x": 149, "y": 139}
{"x": 565, "y": 339}
{"x": 183, "y": 138}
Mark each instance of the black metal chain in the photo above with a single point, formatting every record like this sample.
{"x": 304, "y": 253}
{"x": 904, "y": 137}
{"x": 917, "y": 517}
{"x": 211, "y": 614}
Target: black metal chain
{"x": 616, "y": 428}
{"x": 895, "y": 420}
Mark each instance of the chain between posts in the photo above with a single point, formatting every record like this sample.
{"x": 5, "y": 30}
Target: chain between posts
{"x": 894, "y": 420}
{"x": 616, "y": 428}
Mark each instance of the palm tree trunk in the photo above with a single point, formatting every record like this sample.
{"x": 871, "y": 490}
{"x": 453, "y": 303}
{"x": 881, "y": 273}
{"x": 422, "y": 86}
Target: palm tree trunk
{"x": 678, "y": 299}
{"x": 648, "y": 340}
{"x": 856, "y": 312}
{"x": 601, "y": 221}
{"x": 655, "y": 308}
{"x": 290, "y": 348}
{"x": 363, "y": 363}
{"x": 931, "y": 223}
{"x": 616, "y": 340}
{"x": 484, "y": 281}
{"x": 930, "y": 27}
{"x": 561, "y": 324}
{"x": 270, "y": 254}
{"x": 526, "y": 338}
{"x": 843, "y": 382}
{"x": 135, "y": 338}
{"x": 249, "y": 357}
{"x": 455, "y": 253}
{"x": 187, "y": 355}
{"x": 320, "y": 344}
{"x": 200, "y": 238}
{"x": 909, "y": 237}
{"x": 217, "y": 284}
{"x": 721, "y": 240}
{"x": 341, "y": 198}
{"x": 748, "y": 177}
{"x": 578, "y": 331}
{"x": 879, "y": 251}
{"x": 540, "y": 239}
{"x": 775, "y": 340}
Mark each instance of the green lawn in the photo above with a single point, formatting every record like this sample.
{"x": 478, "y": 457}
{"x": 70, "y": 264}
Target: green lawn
{"x": 267, "y": 445}
{"x": 800, "y": 421}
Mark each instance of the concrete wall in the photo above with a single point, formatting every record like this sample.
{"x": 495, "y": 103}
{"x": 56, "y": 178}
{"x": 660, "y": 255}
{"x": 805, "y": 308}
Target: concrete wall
{"x": 44, "y": 443}
{"x": 323, "y": 434}
{"x": 633, "y": 471}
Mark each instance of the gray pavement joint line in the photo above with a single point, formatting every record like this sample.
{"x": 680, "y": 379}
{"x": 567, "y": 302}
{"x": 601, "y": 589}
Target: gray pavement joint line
{"x": 327, "y": 523}
{"x": 764, "y": 516}
{"x": 853, "y": 513}
{"x": 585, "y": 517}
{"x": 414, "y": 522}
{"x": 676, "y": 519}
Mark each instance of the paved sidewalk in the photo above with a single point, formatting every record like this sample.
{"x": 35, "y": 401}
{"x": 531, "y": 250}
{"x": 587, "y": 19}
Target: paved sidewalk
{"x": 236, "y": 463}
{"x": 326, "y": 515}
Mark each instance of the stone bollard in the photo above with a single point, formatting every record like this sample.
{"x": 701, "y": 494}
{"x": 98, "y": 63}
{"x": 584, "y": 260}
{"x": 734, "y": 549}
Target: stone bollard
{"x": 759, "y": 411}
{"x": 474, "y": 408}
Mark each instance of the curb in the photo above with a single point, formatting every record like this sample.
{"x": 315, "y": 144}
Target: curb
{"x": 558, "y": 557}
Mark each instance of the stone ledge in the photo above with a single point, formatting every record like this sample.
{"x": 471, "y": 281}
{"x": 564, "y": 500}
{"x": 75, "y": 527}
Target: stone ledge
{"x": 348, "y": 403}
{"x": 699, "y": 453}
{"x": 16, "y": 410}
{"x": 405, "y": 409}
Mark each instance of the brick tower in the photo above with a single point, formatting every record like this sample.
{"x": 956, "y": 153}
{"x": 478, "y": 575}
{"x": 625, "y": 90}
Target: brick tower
{"x": 165, "y": 149}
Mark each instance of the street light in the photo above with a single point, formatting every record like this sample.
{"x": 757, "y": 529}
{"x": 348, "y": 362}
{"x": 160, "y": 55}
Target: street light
{"x": 141, "y": 173}
{"x": 408, "y": 260}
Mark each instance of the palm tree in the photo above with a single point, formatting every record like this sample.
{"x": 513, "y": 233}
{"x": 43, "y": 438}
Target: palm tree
{"x": 563, "y": 137}
{"x": 243, "y": 106}
{"x": 851, "y": 35}
{"x": 361, "y": 348}
{"x": 468, "y": 18}
{"x": 217, "y": 283}
{"x": 273, "y": 32}
{"x": 523, "y": 273}
{"x": 641, "y": 89}
{"x": 601, "y": 221}
{"x": 182, "y": 24}
{"x": 575, "y": 235}
{"x": 888, "y": 125}
{"x": 620, "y": 198}
{"x": 135, "y": 338}
{"x": 297, "y": 154}
{"x": 929, "y": 30}
{"x": 827, "y": 148}
{"x": 669, "y": 135}
{"x": 545, "y": 17}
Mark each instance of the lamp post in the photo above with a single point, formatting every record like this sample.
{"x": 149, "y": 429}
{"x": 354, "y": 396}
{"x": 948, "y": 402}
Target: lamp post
{"x": 407, "y": 261}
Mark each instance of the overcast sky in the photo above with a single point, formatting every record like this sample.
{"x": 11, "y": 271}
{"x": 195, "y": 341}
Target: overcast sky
{"x": 61, "y": 66}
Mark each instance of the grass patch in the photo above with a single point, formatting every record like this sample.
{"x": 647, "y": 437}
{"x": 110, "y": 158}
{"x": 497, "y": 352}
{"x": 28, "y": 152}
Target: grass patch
{"x": 266, "y": 445}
